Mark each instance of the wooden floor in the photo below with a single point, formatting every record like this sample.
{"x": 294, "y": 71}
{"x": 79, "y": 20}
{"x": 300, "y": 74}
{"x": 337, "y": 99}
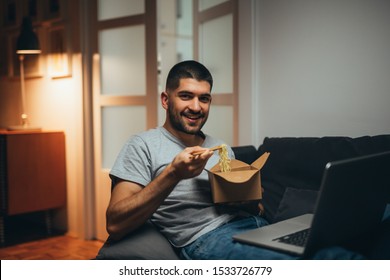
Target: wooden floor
{"x": 54, "y": 248}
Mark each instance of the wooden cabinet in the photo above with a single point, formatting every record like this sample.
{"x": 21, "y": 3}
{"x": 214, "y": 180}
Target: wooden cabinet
{"x": 32, "y": 173}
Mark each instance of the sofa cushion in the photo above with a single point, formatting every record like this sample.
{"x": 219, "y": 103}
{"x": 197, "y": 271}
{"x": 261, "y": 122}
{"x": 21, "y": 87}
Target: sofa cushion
{"x": 146, "y": 243}
{"x": 380, "y": 250}
{"x": 296, "y": 202}
{"x": 378, "y": 244}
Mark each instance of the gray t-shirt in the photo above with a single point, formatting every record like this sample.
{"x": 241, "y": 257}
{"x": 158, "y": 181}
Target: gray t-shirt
{"x": 188, "y": 211}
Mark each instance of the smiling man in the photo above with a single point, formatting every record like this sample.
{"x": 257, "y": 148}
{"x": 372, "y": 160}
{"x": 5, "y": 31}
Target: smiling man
{"x": 156, "y": 177}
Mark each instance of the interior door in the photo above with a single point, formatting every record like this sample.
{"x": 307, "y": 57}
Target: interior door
{"x": 124, "y": 86}
{"x": 215, "y": 44}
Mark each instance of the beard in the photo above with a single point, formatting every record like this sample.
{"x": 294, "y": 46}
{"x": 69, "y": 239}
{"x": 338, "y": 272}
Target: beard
{"x": 178, "y": 120}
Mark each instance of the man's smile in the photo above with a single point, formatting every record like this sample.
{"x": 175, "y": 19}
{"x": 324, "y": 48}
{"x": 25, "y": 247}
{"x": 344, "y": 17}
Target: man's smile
{"x": 192, "y": 117}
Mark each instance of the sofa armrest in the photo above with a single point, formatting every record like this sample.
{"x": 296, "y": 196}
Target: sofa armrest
{"x": 146, "y": 243}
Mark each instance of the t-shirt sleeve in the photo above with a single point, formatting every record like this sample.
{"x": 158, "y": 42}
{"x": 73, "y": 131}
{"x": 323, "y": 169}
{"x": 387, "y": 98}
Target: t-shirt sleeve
{"x": 133, "y": 163}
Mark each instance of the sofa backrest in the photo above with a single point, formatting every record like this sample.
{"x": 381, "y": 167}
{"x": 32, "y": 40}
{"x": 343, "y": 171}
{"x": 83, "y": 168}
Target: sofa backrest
{"x": 247, "y": 154}
{"x": 292, "y": 175}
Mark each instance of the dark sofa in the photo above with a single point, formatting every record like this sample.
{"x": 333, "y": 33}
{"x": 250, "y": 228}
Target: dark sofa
{"x": 291, "y": 179}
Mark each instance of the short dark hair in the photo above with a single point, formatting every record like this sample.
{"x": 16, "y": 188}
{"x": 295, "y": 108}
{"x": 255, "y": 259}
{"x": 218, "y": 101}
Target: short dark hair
{"x": 187, "y": 69}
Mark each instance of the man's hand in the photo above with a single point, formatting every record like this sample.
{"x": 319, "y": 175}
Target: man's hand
{"x": 185, "y": 165}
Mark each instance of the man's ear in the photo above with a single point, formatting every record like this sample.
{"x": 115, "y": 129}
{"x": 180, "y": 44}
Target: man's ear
{"x": 164, "y": 99}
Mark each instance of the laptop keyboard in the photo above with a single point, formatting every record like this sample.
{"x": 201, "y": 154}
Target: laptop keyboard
{"x": 298, "y": 238}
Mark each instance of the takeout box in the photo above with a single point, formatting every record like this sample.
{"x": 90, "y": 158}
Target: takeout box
{"x": 242, "y": 183}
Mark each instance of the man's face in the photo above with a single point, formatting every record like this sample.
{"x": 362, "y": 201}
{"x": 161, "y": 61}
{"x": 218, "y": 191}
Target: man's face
{"x": 188, "y": 106}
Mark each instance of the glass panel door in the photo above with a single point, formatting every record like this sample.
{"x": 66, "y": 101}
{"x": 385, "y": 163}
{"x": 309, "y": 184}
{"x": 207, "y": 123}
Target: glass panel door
{"x": 122, "y": 64}
{"x": 124, "y": 86}
{"x": 215, "y": 44}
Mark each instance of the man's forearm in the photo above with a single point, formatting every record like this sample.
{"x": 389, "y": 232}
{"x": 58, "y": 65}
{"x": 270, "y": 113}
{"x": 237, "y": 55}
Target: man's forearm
{"x": 131, "y": 205}
{"x": 131, "y": 212}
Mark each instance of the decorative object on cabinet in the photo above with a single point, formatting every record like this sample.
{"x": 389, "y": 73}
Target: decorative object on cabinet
{"x": 32, "y": 174}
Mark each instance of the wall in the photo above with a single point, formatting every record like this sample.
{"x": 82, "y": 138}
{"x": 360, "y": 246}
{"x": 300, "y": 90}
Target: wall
{"x": 323, "y": 67}
{"x": 248, "y": 128}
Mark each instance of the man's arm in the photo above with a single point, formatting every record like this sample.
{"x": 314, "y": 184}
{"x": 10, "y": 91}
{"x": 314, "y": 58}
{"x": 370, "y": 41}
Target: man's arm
{"x": 131, "y": 205}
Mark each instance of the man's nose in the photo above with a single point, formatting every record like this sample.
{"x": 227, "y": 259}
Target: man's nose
{"x": 195, "y": 105}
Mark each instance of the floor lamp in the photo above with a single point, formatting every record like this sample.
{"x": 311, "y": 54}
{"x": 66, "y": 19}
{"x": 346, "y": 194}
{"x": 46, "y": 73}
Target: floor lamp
{"x": 27, "y": 43}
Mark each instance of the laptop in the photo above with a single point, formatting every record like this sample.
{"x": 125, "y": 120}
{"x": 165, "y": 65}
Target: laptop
{"x": 349, "y": 207}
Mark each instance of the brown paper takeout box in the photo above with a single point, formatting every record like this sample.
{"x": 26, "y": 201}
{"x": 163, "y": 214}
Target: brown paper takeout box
{"x": 242, "y": 183}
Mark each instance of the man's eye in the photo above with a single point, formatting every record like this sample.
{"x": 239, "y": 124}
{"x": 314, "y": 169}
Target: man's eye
{"x": 185, "y": 97}
{"x": 205, "y": 99}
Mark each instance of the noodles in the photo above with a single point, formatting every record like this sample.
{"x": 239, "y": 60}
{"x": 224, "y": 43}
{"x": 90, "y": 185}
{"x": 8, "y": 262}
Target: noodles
{"x": 224, "y": 160}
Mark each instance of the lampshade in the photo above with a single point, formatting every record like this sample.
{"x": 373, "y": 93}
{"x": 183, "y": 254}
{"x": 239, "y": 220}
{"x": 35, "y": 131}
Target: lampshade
{"x": 27, "y": 42}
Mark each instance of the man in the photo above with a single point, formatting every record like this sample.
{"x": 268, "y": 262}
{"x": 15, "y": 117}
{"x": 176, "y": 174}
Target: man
{"x": 157, "y": 177}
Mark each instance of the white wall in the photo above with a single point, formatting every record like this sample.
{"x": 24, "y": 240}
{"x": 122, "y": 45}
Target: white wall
{"x": 247, "y": 125}
{"x": 321, "y": 68}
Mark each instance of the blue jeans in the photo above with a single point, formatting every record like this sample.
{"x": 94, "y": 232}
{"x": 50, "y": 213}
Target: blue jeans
{"x": 218, "y": 244}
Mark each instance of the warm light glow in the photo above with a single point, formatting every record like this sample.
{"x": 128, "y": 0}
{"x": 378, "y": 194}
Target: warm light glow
{"x": 28, "y": 51}
{"x": 59, "y": 64}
